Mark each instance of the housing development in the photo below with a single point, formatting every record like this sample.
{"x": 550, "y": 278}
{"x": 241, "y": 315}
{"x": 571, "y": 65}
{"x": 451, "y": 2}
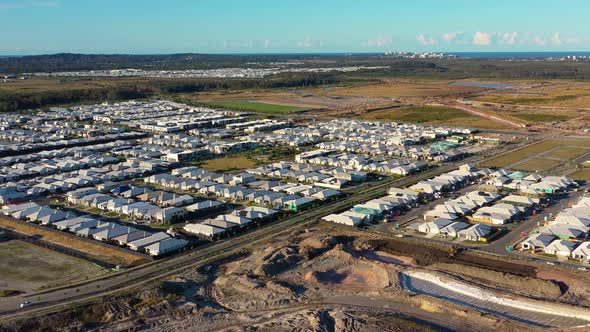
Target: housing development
{"x": 304, "y": 165}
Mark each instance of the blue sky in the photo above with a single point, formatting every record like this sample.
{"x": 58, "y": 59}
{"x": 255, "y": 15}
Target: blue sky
{"x": 303, "y": 26}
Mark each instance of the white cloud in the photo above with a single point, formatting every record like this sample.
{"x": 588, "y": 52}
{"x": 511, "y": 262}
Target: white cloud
{"x": 539, "y": 41}
{"x": 377, "y": 42}
{"x": 508, "y": 38}
{"x": 267, "y": 43}
{"x": 308, "y": 42}
{"x": 556, "y": 39}
{"x": 305, "y": 43}
{"x": 482, "y": 38}
{"x": 426, "y": 40}
{"x": 449, "y": 37}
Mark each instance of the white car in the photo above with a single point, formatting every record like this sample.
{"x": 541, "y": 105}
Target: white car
{"x": 25, "y": 304}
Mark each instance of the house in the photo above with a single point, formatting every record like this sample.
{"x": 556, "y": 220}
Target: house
{"x": 560, "y": 248}
{"x": 126, "y": 238}
{"x": 138, "y": 245}
{"x": 203, "y": 229}
{"x": 239, "y": 220}
{"x": 566, "y": 232}
{"x": 170, "y": 215}
{"x": 165, "y": 246}
{"x": 453, "y": 229}
{"x": 67, "y": 223}
{"x": 343, "y": 219}
{"x": 582, "y": 252}
{"x": 476, "y": 232}
{"x": 538, "y": 241}
{"x": 205, "y": 205}
{"x": 112, "y": 231}
{"x": 434, "y": 226}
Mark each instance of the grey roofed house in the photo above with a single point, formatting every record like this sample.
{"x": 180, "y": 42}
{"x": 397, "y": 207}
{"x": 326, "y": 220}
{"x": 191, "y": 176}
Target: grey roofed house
{"x": 562, "y": 248}
{"x": 165, "y": 246}
{"x": 220, "y": 223}
{"x": 55, "y": 216}
{"x": 434, "y": 226}
{"x": 454, "y": 228}
{"x": 88, "y": 231}
{"x": 565, "y": 231}
{"x": 325, "y": 194}
{"x": 130, "y": 237}
{"x": 204, "y": 205}
{"x": 537, "y": 241}
{"x": 10, "y": 209}
{"x": 203, "y": 229}
{"x": 85, "y": 224}
{"x": 476, "y": 232}
{"x": 582, "y": 252}
{"x": 112, "y": 231}
{"x": 67, "y": 223}
{"x": 234, "y": 219}
{"x": 146, "y": 241}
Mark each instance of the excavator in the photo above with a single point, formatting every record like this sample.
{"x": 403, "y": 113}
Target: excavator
{"x": 453, "y": 250}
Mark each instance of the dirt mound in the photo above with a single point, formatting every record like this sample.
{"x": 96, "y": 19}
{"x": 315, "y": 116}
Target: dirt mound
{"x": 425, "y": 255}
{"x": 278, "y": 260}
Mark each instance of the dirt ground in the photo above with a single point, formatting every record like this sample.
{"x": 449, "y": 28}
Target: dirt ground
{"x": 323, "y": 278}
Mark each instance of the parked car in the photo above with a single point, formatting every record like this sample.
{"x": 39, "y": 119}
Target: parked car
{"x": 25, "y": 304}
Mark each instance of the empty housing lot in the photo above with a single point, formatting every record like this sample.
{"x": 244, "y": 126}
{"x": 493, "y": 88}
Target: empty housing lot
{"x": 543, "y": 155}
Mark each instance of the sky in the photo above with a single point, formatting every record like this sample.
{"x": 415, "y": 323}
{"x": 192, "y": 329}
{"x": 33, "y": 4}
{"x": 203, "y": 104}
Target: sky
{"x": 291, "y": 26}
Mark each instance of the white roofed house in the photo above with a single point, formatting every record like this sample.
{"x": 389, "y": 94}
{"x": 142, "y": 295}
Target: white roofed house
{"x": 453, "y": 229}
{"x": 434, "y": 227}
{"x": 343, "y": 219}
{"x": 582, "y": 252}
{"x": 114, "y": 230}
{"x": 203, "y": 229}
{"x": 560, "y": 248}
{"x": 170, "y": 215}
{"x": 538, "y": 241}
{"x": 138, "y": 245}
{"x": 125, "y": 238}
{"x": 476, "y": 232}
{"x": 165, "y": 246}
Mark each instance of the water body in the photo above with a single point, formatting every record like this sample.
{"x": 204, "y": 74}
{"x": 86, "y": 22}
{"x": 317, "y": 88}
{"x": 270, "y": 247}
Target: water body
{"x": 490, "y": 85}
{"x": 518, "y": 54}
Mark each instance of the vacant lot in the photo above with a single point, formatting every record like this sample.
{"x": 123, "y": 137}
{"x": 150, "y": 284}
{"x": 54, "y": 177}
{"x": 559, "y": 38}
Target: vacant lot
{"x": 402, "y": 88}
{"x": 583, "y": 174}
{"x": 256, "y": 107}
{"x": 27, "y": 267}
{"x": 228, "y": 164}
{"x": 539, "y": 117}
{"x": 558, "y": 93}
{"x": 537, "y": 165}
{"x": 567, "y": 152}
{"x": 435, "y": 115}
{"x": 537, "y": 149}
{"x": 99, "y": 252}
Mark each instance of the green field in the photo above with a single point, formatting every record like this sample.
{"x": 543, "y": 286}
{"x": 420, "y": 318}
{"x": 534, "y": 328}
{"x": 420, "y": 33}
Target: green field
{"x": 567, "y": 152}
{"x": 228, "y": 164}
{"x": 536, "y": 117}
{"x": 583, "y": 174}
{"x": 435, "y": 115}
{"x": 26, "y": 266}
{"x": 256, "y": 107}
{"x": 539, "y": 165}
{"x": 537, "y": 149}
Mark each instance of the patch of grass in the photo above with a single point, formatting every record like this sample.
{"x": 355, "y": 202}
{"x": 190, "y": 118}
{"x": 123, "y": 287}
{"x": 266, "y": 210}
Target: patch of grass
{"x": 567, "y": 152}
{"x": 103, "y": 253}
{"x": 28, "y": 266}
{"x": 535, "y": 149}
{"x": 540, "y": 117}
{"x": 435, "y": 115}
{"x": 583, "y": 174}
{"x": 228, "y": 163}
{"x": 535, "y": 164}
{"x": 256, "y": 107}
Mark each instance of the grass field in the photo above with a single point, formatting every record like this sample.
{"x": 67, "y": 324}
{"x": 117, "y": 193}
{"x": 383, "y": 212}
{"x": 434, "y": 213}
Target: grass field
{"x": 27, "y": 267}
{"x": 583, "y": 174}
{"x": 228, "y": 164}
{"x": 540, "y": 117}
{"x": 438, "y": 115}
{"x": 567, "y": 152}
{"x": 557, "y": 93}
{"x": 256, "y": 107}
{"x": 537, "y": 165}
{"x": 402, "y": 88}
{"x": 100, "y": 252}
{"x": 538, "y": 149}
